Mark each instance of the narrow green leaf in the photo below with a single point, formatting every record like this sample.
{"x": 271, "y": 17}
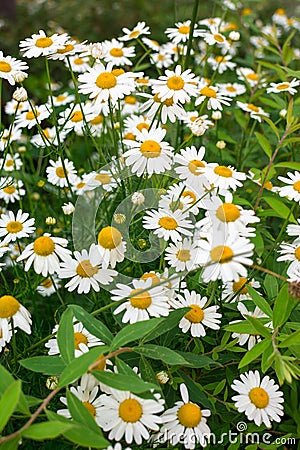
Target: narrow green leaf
{"x": 94, "y": 326}
{"x": 13, "y": 444}
{"x": 80, "y": 413}
{"x": 122, "y": 367}
{"x": 9, "y": 401}
{"x": 168, "y": 324}
{"x": 289, "y": 114}
{"x": 292, "y": 73}
{"x": 254, "y": 353}
{"x": 272, "y": 125}
{"x": 5, "y": 380}
{"x": 264, "y": 143}
{"x": 281, "y": 209}
{"x": 65, "y": 336}
{"x": 260, "y": 301}
{"x": 271, "y": 286}
{"x": 134, "y": 332}
{"x": 81, "y": 435}
{"x": 242, "y": 327}
{"x": 219, "y": 388}
{"x": 197, "y": 361}
{"x": 289, "y": 165}
{"x": 283, "y": 307}
{"x": 122, "y": 382}
{"x": 46, "y": 430}
{"x": 195, "y": 393}
{"x": 263, "y": 331}
{"x": 293, "y": 339}
{"x": 266, "y": 359}
{"x": 160, "y": 353}
{"x": 147, "y": 371}
{"x": 49, "y": 365}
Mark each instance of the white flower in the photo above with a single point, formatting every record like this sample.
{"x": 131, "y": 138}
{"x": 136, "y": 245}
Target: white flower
{"x": 15, "y": 227}
{"x": 182, "y": 32}
{"x": 78, "y": 64}
{"x": 75, "y": 118}
{"x": 199, "y": 126}
{"x": 255, "y": 111}
{"x": 42, "y": 45}
{"x": 11, "y": 163}
{"x": 237, "y": 290}
{"x": 68, "y": 208}
{"x": 48, "y": 137}
{"x": 215, "y": 99}
{"x": 29, "y": 119}
{"x": 11, "y": 190}
{"x": 215, "y": 37}
{"x": 225, "y": 177}
{"x": 192, "y": 168}
{"x": 290, "y": 252}
{"x": 49, "y": 286}
{"x": 137, "y": 198}
{"x": 111, "y": 246}
{"x": 259, "y": 399}
{"x": 168, "y": 224}
{"x": 253, "y": 78}
{"x": 117, "y": 53}
{"x": 57, "y": 173}
{"x": 70, "y": 48}
{"x": 180, "y": 196}
{"x": 137, "y": 31}
{"x": 292, "y": 190}
{"x": 11, "y": 309}
{"x": 9, "y": 67}
{"x": 182, "y": 255}
{"x": 221, "y": 63}
{"x": 20, "y": 94}
{"x": 232, "y": 89}
{"x": 167, "y": 108}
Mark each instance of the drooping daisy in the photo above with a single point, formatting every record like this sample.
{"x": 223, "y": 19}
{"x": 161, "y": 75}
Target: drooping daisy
{"x": 184, "y": 423}
{"x": 57, "y": 174}
{"x": 85, "y": 271}
{"x": 237, "y": 290}
{"x": 260, "y": 400}
{"x": 213, "y": 36}
{"x": 15, "y": 227}
{"x": 42, "y": 45}
{"x": 168, "y": 109}
{"x": 252, "y": 77}
{"x": 182, "y": 32}
{"x": 192, "y": 168}
{"x": 221, "y": 63}
{"x": 117, "y": 53}
{"x": 181, "y": 197}
{"x": 11, "y": 309}
{"x": 11, "y": 190}
{"x": 255, "y": 111}
{"x": 111, "y": 246}
{"x": 75, "y": 118}
{"x": 182, "y": 255}
{"x": 232, "y": 89}
{"x": 178, "y": 85}
{"x": 9, "y": 135}
{"x": 292, "y": 190}
{"x": 49, "y": 286}
{"x": 140, "y": 29}
{"x": 168, "y": 224}
{"x": 11, "y": 162}
{"x": 215, "y": 99}
{"x": 199, "y": 316}
{"x": 29, "y": 119}
{"x": 48, "y": 137}
{"x": 149, "y": 152}
{"x": 124, "y": 414}
{"x": 79, "y": 64}
{"x": 44, "y": 253}
{"x": 225, "y": 177}
{"x": 290, "y": 252}
{"x": 9, "y": 66}
{"x": 225, "y": 259}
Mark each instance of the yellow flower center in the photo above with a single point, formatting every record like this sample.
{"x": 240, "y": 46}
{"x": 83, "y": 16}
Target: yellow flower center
{"x": 129, "y": 136}
{"x": 46, "y": 133}
{"x": 43, "y": 42}
{"x": 282, "y": 86}
{"x": 296, "y": 186}
{"x": 85, "y": 269}
{"x": 60, "y": 172}
{"x": 91, "y": 408}
{"x": 14, "y": 227}
{"x": 9, "y": 306}
{"x": 189, "y": 415}
{"x": 117, "y": 52}
{"x": 230, "y": 89}
{"x": 134, "y": 34}
{"x": 117, "y": 72}
{"x": 218, "y": 38}
{"x": 195, "y": 315}
{"x": 253, "y": 107}
{"x": 9, "y": 163}
{"x": 280, "y": 11}
{"x": 130, "y": 410}
{"x": 252, "y": 76}
{"x": 9, "y": 190}
{"x": 184, "y": 29}
{"x": 142, "y": 80}
{"x": 220, "y": 59}
{"x": 228, "y": 212}
{"x": 168, "y": 223}
{"x": 155, "y": 279}
{"x": 130, "y": 99}
{"x": 106, "y": 80}
{"x": 259, "y": 397}
{"x": 47, "y": 283}
{"x": 297, "y": 253}
{"x": 101, "y": 365}
{"x": 150, "y": 149}
{"x": 103, "y": 178}
{"x": 76, "y": 116}
{"x": 139, "y": 299}
{"x": 246, "y": 11}
{"x": 67, "y": 48}
{"x": 176, "y": 83}
{"x": 30, "y": 115}
{"x": 109, "y": 238}
{"x": 194, "y": 166}
{"x": 223, "y": 171}
{"x": 174, "y": 205}
{"x": 240, "y": 286}
{"x": 143, "y": 126}
{"x": 60, "y": 98}
{"x": 183, "y": 255}
{"x": 79, "y": 338}
{"x": 5, "y": 66}
{"x": 221, "y": 254}
{"x": 80, "y": 185}
{"x": 78, "y": 61}
{"x": 161, "y": 57}
{"x": 208, "y": 92}
{"x": 97, "y": 120}
{"x": 190, "y": 194}
{"x": 43, "y": 246}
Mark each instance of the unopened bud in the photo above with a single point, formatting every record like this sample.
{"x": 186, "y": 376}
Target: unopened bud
{"x": 234, "y": 35}
{"x": 68, "y": 208}
{"x": 162, "y": 377}
{"x": 216, "y": 115}
{"x": 51, "y": 383}
{"x": 220, "y": 145}
{"x": 294, "y": 289}
{"x": 50, "y": 221}
{"x": 20, "y": 95}
{"x": 137, "y": 198}
{"x": 119, "y": 218}
{"x": 198, "y": 127}
{"x": 20, "y": 76}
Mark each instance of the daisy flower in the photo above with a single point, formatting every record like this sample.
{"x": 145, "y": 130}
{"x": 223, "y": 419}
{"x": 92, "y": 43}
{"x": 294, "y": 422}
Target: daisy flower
{"x": 293, "y": 230}
{"x": 225, "y": 177}
{"x": 15, "y": 227}
{"x": 48, "y": 286}
{"x": 11, "y": 162}
{"x": 44, "y": 253}
{"x": 85, "y": 271}
{"x": 292, "y": 190}
{"x": 178, "y": 196}
{"x": 260, "y": 400}
{"x": 192, "y": 168}
{"x": 9, "y": 66}
{"x": 168, "y": 224}
{"x": 237, "y": 290}
{"x": 162, "y": 58}
{"x": 125, "y": 415}
{"x": 29, "y": 119}
{"x": 215, "y": 99}
{"x": 290, "y": 252}
{"x": 103, "y": 179}
{"x": 154, "y": 45}
{"x": 75, "y": 118}
{"x": 117, "y": 53}
{"x": 199, "y": 316}
{"x": 232, "y": 89}
{"x": 182, "y": 255}
{"x": 57, "y": 174}
{"x": 135, "y": 123}
{"x": 62, "y": 99}
{"x": 47, "y": 137}
{"x": 168, "y": 109}
{"x": 221, "y": 63}
{"x": 149, "y": 153}
{"x": 185, "y": 423}
{"x": 213, "y": 36}
{"x": 178, "y": 85}
{"x": 118, "y": 446}
{"x": 5, "y": 339}
{"x": 13, "y": 107}
{"x": 255, "y": 111}
{"x": 83, "y": 340}
{"x": 252, "y": 78}
{"x": 130, "y": 105}
{"x": 140, "y": 29}
{"x": 225, "y": 261}
{"x": 42, "y": 45}
{"x": 9, "y": 135}
{"x": 11, "y": 309}
{"x": 145, "y": 301}
{"x": 70, "y": 48}
{"x": 182, "y": 32}
{"x": 11, "y": 190}
{"x": 279, "y": 16}
{"x": 79, "y": 64}
{"x": 111, "y": 246}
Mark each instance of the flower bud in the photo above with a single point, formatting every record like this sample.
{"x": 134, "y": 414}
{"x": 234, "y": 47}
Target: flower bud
{"x": 20, "y": 95}
{"x": 216, "y": 115}
{"x": 234, "y": 35}
{"x": 137, "y": 198}
{"x": 221, "y": 145}
{"x": 20, "y": 76}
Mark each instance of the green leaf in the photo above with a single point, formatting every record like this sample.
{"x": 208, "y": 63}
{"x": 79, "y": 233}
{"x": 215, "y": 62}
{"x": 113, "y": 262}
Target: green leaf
{"x": 134, "y": 332}
{"x": 281, "y": 209}
{"x": 46, "y": 430}
{"x": 264, "y": 143}
{"x": 220, "y": 386}
{"x": 9, "y": 401}
{"x": 271, "y": 286}
{"x": 93, "y": 325}
{"x": 260, "y": 301}
{"x": 80, "y": 365}
{"x": 168, "y": 324}
{"x": 242, "y": 327}
{"x": 289, "y": 114}
{"x": 272, "y": 125}
{"x": 283, "y": 307}
{"x": 290, "y": 165}
{"x": 5, "y": 380}
{"x": 254, "y": 353}
{"x": 81, "y": 414}
{"x": 49, "y": 365}
{"x": 292, "y": 73}
{"x": 263, "y": 331}
{"x": 160, "y": 353}
{"x": 267, "y": 357}
{"x": 197, "y": 361}
{"x": 195, "y": 393}
{"x": 65, "y": 336}
{"x": 13, "y": 444}
{"x": 293, "y": 339}
{"x": 122, "y": 382}
{"x": 147, "y": 372}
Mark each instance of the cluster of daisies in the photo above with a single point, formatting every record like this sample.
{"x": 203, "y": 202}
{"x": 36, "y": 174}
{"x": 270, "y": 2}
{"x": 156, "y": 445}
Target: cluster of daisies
{"x": 199, "y": 222}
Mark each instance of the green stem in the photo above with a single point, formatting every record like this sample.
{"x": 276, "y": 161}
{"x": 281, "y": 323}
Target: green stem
{"x": 190, "y": 41}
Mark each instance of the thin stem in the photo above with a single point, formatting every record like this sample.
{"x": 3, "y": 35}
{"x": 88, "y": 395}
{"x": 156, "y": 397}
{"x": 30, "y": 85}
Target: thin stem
{"x": 191, "y": 34}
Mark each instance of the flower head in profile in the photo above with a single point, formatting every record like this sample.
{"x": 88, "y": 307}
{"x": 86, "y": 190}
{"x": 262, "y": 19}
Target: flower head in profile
{"x": 12, "y": 310}
{"x": 9, "y": 67}
{"x": 111, "y": 246}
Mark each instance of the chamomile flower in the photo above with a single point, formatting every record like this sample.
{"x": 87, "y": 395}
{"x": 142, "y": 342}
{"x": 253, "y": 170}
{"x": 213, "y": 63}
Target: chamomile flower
{"x": 252, "y": 77}
{"x": 75, "y": 118}
{"x": 9, "y": 66}
{"x": 215, "y": 99}
{"x": 85, "y": 271}
{"x": 168, "y": 224}
{"x": 192, "y": 168}
{"x": 149, "y": 153}
{"x": 184, "y": 423}
{"x": 118, "y": 446}
{"x": 168, "y": 109}
{"x": 178, "y": 196}
{"x": 215, "y": 37}
{"x": 11, "y": 190}
{"x": 182, "y": 255}
{"x": 14, "y": 227}
{"x": 83, "y": 340}
{"x": 42, "y": 45}
{"x": 124, "y": 414}
{"x": 293, "y": 230}
{"x": 290, "y": 252}
{"x": 104, "y": 179}
{"x": 70, "y": 48}
{"x": 111, "y": 246}
{"x": 221, "y": 63}
{"x": 292, "y": 190}
{"x": 11, "y": 162}
{"x": 237, "y": 290}
{"x": 232, "y": 89}
{"x": 145, "y": 301}
{"x": 62, "y": 99}
{"x": 224, "y": 259}
{"x": 11, "y": 309}
{"x": 9, "y": 135}
{"x": 117, "y": 53}
{"x": 5, "y": 338}
{"x": 178, "y": 85}
{"x": 58, "y": 173}
{"x": 140, "y": 29}
{"x": 162, "y": 58}
{"x": 182, "y": 32}
{"x": 79, "y": 64}
{"x": 29, "y": 119}
{"x": 225, "y": 178}
{"x": 198, "y": 317}
{"x": 13, "y": 107}
{"x": 48, "y": 137}
{"x": 255, "y": 111}
{"x": 260, "y": 400}
{"x": 44, "y": 253}
{"x": 49, "y": 286}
